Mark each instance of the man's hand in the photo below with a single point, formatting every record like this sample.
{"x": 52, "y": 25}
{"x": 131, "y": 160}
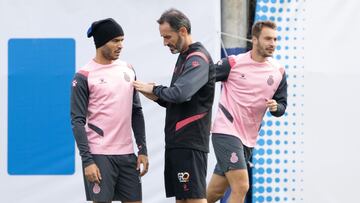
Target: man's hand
{"x": 92, "y": 173}
{"x": 144, "y": 87}
{"x": 271, "y": 104}
{"x": 142, "y": 159}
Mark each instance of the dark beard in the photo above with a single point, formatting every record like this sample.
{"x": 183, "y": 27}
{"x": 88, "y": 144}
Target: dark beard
{"x": 179, "y": 44}
{"x": 262, "y": 52}
{"x": 107, "y": 54}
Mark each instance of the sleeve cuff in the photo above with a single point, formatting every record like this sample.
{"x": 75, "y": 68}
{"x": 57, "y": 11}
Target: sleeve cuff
{"x": 87, "y": 163}
{"x": 142, "y": 151}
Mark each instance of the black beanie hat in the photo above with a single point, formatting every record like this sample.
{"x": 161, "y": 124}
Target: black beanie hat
{"x": 104, "y": 31}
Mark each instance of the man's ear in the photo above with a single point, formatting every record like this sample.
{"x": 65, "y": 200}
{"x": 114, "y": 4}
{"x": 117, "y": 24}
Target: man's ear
{"x": 183, "y": 31}
{"x": 254, "y": 40}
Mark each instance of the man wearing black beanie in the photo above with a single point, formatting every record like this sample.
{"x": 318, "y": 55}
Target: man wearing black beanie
{"x": 105, "y": 111}
{"x": 104, "y": 31}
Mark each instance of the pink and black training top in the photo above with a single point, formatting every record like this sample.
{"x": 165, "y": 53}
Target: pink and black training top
{"x": 246, "y": 86}
{"x": 105, "y": 110}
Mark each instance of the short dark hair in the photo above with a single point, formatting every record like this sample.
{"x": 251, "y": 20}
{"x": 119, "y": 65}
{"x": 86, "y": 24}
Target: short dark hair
{"x": 176, "y": 20}
{"x": 258, "y": 26}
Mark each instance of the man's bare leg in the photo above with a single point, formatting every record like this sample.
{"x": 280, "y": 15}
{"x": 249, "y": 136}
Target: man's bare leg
{"x": 216, "y": 188}
{"x": 239, "y": 184}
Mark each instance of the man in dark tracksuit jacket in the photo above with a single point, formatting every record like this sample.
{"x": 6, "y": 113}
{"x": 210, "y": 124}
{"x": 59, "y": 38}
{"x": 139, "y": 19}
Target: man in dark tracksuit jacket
{"x": 188, "y": 102}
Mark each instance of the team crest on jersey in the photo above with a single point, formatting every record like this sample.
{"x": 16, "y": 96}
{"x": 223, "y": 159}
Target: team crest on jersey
{"x": 74, "y": 83}
{"x": 219, "y": 63}
{"x": 126, "y": 77}
{"x": 96, "y": 188}
{"x": 270, "y": 80}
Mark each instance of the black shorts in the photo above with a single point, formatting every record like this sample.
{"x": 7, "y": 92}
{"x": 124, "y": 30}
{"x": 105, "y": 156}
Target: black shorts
{"x": 185, "y": 173}
{"x": 230, "y": 153}
{"x": 120, "y": 179}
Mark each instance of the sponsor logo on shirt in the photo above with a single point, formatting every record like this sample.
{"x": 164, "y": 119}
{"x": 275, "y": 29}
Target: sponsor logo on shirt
{"x": 270, "y": 80}
{"x": 242, "y": 76}
{"x": 102, "y": 81}
{"x": 183, "y": 177}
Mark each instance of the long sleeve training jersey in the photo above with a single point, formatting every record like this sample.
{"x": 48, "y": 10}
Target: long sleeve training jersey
{"x": 105, "y": 108}
{"x": 246, "y": 86}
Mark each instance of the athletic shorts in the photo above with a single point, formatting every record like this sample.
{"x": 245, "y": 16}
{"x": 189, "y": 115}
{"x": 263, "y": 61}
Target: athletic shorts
{"x": 185, "y": 173}
{"x": 230, "y": 153}
{"x": 120, "y": 179}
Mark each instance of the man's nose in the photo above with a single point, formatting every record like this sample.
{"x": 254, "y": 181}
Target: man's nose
{"x": 165, "y": 42}
{"x": 120, "y": 45}
{"x": 273, "y": 42}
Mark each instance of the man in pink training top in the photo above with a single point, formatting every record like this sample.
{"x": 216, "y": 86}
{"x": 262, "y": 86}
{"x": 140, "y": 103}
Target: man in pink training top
{"x": 105, "y": 109}
{"x": 251, "y": 83}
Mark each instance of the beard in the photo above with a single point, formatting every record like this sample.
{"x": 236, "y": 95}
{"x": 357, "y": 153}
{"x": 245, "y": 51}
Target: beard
{"x": 265, "y": 51}
{"x": 109, "y": 54}
{"x": 173, "y": 50}
{"x": 178, "y": 46}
